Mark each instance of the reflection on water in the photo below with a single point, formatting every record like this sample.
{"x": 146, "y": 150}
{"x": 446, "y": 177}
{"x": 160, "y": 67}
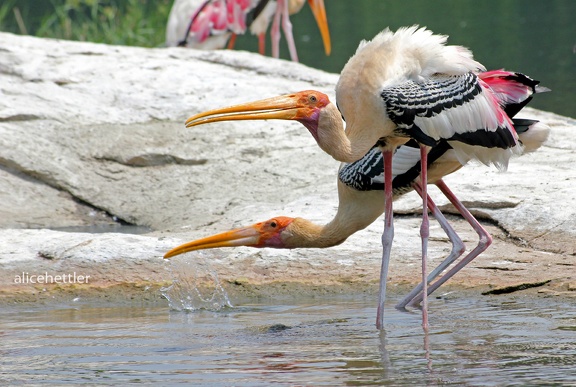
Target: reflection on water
{"x": 330, "y": 341}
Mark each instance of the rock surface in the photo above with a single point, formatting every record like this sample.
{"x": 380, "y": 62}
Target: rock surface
{"x": 93, "y": 136}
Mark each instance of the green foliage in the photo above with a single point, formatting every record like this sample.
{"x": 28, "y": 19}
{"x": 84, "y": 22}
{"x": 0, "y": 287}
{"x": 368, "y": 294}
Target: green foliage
{"x": 123, "y": 22}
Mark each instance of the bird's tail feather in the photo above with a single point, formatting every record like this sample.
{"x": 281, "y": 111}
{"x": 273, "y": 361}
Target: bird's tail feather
{"x": 533, "y": 134}
{"x": 512, "y": 90}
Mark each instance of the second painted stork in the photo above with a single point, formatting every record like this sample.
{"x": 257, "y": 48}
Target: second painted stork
{"x": 359, "y": 203}
{"x": 210, "y": 24}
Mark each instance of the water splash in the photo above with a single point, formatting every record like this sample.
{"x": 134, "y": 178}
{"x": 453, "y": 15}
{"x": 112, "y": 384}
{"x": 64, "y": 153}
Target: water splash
{"x": 195, "y": 284}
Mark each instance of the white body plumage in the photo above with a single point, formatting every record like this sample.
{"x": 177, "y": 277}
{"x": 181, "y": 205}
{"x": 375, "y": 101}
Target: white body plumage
{"x": 411, "y": 84}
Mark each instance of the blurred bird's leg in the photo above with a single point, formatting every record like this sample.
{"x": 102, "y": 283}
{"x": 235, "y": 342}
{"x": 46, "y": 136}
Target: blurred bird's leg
{"x": 387, "y": 236}
{"x": 262, "y": 43}
{"x": 484, "y": 242}
{"x": 232, "y": 42}
{"x": 424, "y": 232}
{"x": 287, "y": 28}
{"x": 458, "y": 249}
{"x": 275, "y": 29}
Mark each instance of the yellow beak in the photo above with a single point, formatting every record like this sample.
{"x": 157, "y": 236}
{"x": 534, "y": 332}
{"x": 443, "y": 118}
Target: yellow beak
{"x": 319, "y": 12}
{"x": 247, "y": 236}
{"x": 285, "y": 107}
{"x": 262, "y": 234}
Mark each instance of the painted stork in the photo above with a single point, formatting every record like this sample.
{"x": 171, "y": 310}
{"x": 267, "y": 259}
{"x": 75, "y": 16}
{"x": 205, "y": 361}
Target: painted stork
{"x": 360, "y": 203}
{"x": 357, "y": 208}
{"x": 209, "y": 24}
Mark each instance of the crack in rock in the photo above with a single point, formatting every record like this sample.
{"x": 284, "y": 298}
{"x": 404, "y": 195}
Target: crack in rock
{"x": 154, "y": 160}
{"x": 20, "y": 117}
{"x": 496, "y": 268}
{"x": 515, "y": 288}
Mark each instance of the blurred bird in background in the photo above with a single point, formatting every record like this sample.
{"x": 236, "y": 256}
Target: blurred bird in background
{"x": 212, "y": 24}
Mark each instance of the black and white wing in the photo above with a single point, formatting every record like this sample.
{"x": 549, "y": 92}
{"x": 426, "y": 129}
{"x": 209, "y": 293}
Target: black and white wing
{"x": 367, "y": 174}
{"x": 457, "y": 108}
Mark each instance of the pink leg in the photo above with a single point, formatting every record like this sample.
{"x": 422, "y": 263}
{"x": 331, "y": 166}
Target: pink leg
{"x": 458, "y": 249}
{"x": 232, "y": 42}
{"x": 387, "y": 236}
{"x": 287, "y": 28}
{"x": 262, "y": 44}
{"x": 424, "y": 232}
{"x": 484, "y": 242}
{"x": 275, "y": 29}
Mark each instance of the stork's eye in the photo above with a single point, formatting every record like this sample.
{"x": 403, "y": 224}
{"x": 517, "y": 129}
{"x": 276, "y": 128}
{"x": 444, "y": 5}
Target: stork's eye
{"x": 313, "y": 99}
{"x": 273, "y": 224}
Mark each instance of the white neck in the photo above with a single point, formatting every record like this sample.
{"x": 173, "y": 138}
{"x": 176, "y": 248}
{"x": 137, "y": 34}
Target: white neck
{"x": 334, "y": 140}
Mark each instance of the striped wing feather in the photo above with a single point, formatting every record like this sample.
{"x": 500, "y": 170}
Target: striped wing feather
{"x": 458, "y": 108}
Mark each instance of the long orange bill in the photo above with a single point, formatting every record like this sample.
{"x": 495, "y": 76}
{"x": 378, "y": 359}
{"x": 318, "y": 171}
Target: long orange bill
{"x": 285, "y": 107}
{"x": 319, "y": 12}
{"x": 246, "y": 236}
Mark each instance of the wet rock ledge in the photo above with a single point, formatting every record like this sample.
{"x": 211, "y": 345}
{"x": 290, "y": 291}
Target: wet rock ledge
{"x": 93, "y": 146}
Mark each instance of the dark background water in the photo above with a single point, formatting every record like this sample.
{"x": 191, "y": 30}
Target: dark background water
{"x": 536, "y": 37}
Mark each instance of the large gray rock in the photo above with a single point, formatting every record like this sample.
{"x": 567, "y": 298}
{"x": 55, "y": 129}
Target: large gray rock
{"x": 105, "y": 125}
{"x": 93, "y": 134}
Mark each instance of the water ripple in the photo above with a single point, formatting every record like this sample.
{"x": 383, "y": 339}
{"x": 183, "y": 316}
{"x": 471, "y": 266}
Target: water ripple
{"x": 482, "y": 341}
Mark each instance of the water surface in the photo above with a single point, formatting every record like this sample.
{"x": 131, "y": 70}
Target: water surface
{"x": 482, "y": 341}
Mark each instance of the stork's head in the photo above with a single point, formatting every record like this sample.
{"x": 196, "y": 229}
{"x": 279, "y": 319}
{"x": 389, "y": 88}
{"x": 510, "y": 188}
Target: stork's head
{"x": 274, "y": 232}
{"x": 309, "y": 107}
